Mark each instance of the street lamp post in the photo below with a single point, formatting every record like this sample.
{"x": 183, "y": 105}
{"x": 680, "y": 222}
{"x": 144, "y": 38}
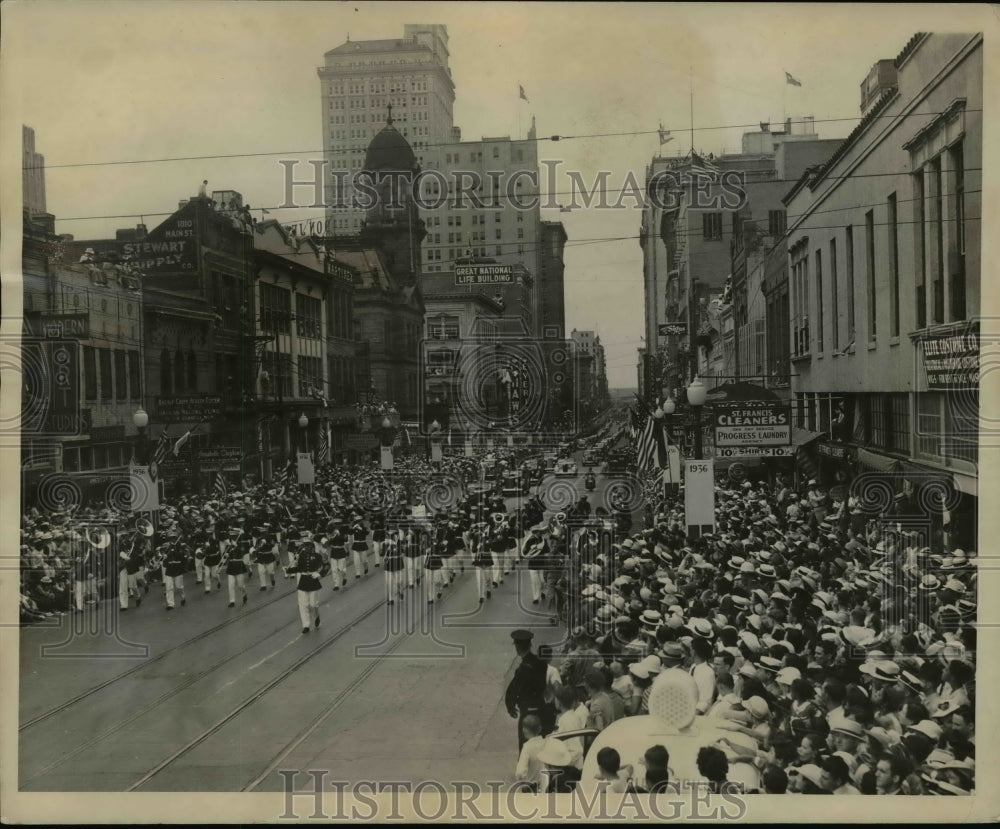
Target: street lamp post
{"x": 303, "y": 425}
{"x": 696, "y": 393}
{"x": 141, "y": 420}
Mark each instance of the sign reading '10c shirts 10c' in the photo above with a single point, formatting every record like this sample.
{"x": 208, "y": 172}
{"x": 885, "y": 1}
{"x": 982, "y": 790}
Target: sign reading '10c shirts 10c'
{"x": 752, "y": 423}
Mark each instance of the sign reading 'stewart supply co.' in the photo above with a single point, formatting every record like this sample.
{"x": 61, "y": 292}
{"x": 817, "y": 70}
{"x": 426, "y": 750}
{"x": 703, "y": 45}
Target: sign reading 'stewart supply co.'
{"x": 484, "y": 274}
{"x": 752, "y": 423}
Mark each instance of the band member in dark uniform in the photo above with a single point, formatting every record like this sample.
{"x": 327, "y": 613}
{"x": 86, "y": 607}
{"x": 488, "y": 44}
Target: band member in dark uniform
{"x": 359, "y": 545}
{"x": 265, "y": 553}
{"x": 213, "y": 558}
{"x": 174, "y": 567}
{"x": 392, "y": 549}
{"x": 237, "y": 566}
{"x": 526, "y": 690}
{"x": 198, "y": 539}
{"x": 307, "y": 567}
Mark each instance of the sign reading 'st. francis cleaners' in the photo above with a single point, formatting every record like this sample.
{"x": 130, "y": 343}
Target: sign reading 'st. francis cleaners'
{"x": 752, "y": 423}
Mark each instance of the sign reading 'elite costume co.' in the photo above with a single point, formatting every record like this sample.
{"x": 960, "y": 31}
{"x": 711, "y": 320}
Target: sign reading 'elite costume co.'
{"x": 952, "y": 361}
{"x": 752, "y": 424}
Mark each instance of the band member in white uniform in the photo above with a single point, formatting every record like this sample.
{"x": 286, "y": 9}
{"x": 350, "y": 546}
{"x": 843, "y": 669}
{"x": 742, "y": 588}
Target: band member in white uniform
{"x": 393, "y": 566}
{"x": 378, "y": 536}
{"x": 214, "y": 547}
{"x": 266, "y": 554}
{"x": 412, "y": 555}
{"x": 130, "y": 575}
{"x": 359, "y": 545}
{"x": 337, "y": 542}
{"x": 482, "y": 558}
{"x": 307, "y": 566}
{"x": 237, "y": 567}
{"x": 174, "y": 566}
{"x": 534, "y": 552}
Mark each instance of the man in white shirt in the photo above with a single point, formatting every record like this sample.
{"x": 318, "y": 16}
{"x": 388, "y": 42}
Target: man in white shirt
{"x": 529, "y": 768}
{"x": 703, "y": 673}
{"x": 571, "y": 717}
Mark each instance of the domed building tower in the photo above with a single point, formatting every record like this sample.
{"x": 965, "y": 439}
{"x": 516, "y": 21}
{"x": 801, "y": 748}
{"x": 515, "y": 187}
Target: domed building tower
{"x": 393, "y": 223}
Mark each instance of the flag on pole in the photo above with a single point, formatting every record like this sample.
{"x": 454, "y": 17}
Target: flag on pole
{"x": 324, "y": 445}
{"x": 646, "y": 446}
{"x": 162, "y": 447}
{"x": 523, "y": 96}
{"x": 665, "y": 135}
{"x": 789, "y": 79}
{"x": 181, "y": 441}
{"x": 220, "y": 485}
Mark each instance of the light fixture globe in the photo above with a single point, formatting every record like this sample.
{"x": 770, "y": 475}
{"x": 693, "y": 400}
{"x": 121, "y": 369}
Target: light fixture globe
{"x": 668, "y": 406}
{"x": 140, "y": 418}
{"x": 386, "y": 423}
{"x": 303, "y": 421}
{"x": 696, "y": 392}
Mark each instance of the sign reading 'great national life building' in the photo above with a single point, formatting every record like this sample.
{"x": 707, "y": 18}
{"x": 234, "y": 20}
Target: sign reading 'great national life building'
{"x": 484, "y": 274}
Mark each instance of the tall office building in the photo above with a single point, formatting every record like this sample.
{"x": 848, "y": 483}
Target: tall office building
{"x": 32, "y": 174}
{"x": 359, "y": 81}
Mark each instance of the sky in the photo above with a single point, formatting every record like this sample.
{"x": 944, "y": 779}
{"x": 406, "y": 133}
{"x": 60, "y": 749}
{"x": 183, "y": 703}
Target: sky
{"x": 108, "y": 82}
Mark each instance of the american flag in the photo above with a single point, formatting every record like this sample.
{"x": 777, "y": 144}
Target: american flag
{"x": 162, "y": 447}
{"x": 220, "y": 485}
{"x": 324, "y": 445}
{"x": 651, "y": 450}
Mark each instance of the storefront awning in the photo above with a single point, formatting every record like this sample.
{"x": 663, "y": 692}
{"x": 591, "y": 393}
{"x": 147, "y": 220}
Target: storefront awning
{"x": 876, "y": 461}
{"x": 803, "y": 437}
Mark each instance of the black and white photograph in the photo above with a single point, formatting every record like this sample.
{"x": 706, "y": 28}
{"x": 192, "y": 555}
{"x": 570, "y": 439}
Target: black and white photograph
{"x": 508, "y": 412}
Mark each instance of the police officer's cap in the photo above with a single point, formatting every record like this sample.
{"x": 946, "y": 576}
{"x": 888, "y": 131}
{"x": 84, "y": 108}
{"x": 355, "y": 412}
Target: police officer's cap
{"x": 522, "y": 636}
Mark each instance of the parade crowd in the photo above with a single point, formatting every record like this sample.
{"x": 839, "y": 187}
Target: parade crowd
{"x": 837, "y": 648}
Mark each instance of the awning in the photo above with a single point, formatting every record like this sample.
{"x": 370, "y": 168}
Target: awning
{"x": 876, "y": 461}
{"x": 920, "y": 474}
{"x": 803, "y": 437}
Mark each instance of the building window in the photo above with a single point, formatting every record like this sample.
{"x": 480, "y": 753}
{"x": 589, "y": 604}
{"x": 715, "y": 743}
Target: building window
{"x": 310, "y": 376}
{"x": 307, "y": 316}
{"x": 893, "y": 229}
{"x": 443, "y": 327}
{"x": 800, "y": 302}
{"x": 192, "y": 372}
{"x": 711, "y": 225}
{"x": 121, "y": 377}
{"x": 776, "y": 222}
{"x": 834, "y": 299}
{"x": 956, "y": 236}
{"x": 920, "y": 248}
{"x": 937, "y": 242}
{"x": 819, "y": 302}
{"x": 870, "y": 264}
{"x": 849, "y": 274}
{"x": 179, "y": 371}
{"x": 107, "y": 381}
{"x": 275, "y": 309}
{"x": 135, "y": 376}
{"x": 90, "y": 372}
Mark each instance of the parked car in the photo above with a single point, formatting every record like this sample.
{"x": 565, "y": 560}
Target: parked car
{"x": 566, "y": 468}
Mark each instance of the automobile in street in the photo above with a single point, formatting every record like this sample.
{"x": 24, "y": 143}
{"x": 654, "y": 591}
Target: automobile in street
{"x": 566, "y": 468}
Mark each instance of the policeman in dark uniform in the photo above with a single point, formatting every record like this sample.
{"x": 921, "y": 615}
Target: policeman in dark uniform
{"x": 526, "y": 691}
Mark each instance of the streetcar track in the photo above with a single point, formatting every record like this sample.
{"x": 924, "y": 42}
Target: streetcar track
{"x": 153, "y": 660}
{"x": 281, "y": 677}
{"x": 277, "y": 680}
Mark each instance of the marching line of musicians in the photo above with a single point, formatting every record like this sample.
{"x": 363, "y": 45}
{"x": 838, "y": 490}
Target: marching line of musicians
{"x": 315, "y": 547}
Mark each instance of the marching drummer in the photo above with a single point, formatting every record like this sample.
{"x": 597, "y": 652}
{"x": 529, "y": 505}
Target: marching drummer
{"x": 214, "y": 546}
{"x": 337, "y": 542}
{"x": 359, "y": 545}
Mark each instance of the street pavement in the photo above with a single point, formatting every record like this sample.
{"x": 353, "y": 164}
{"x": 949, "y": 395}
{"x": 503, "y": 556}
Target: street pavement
{"x": 208, "y": 698}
